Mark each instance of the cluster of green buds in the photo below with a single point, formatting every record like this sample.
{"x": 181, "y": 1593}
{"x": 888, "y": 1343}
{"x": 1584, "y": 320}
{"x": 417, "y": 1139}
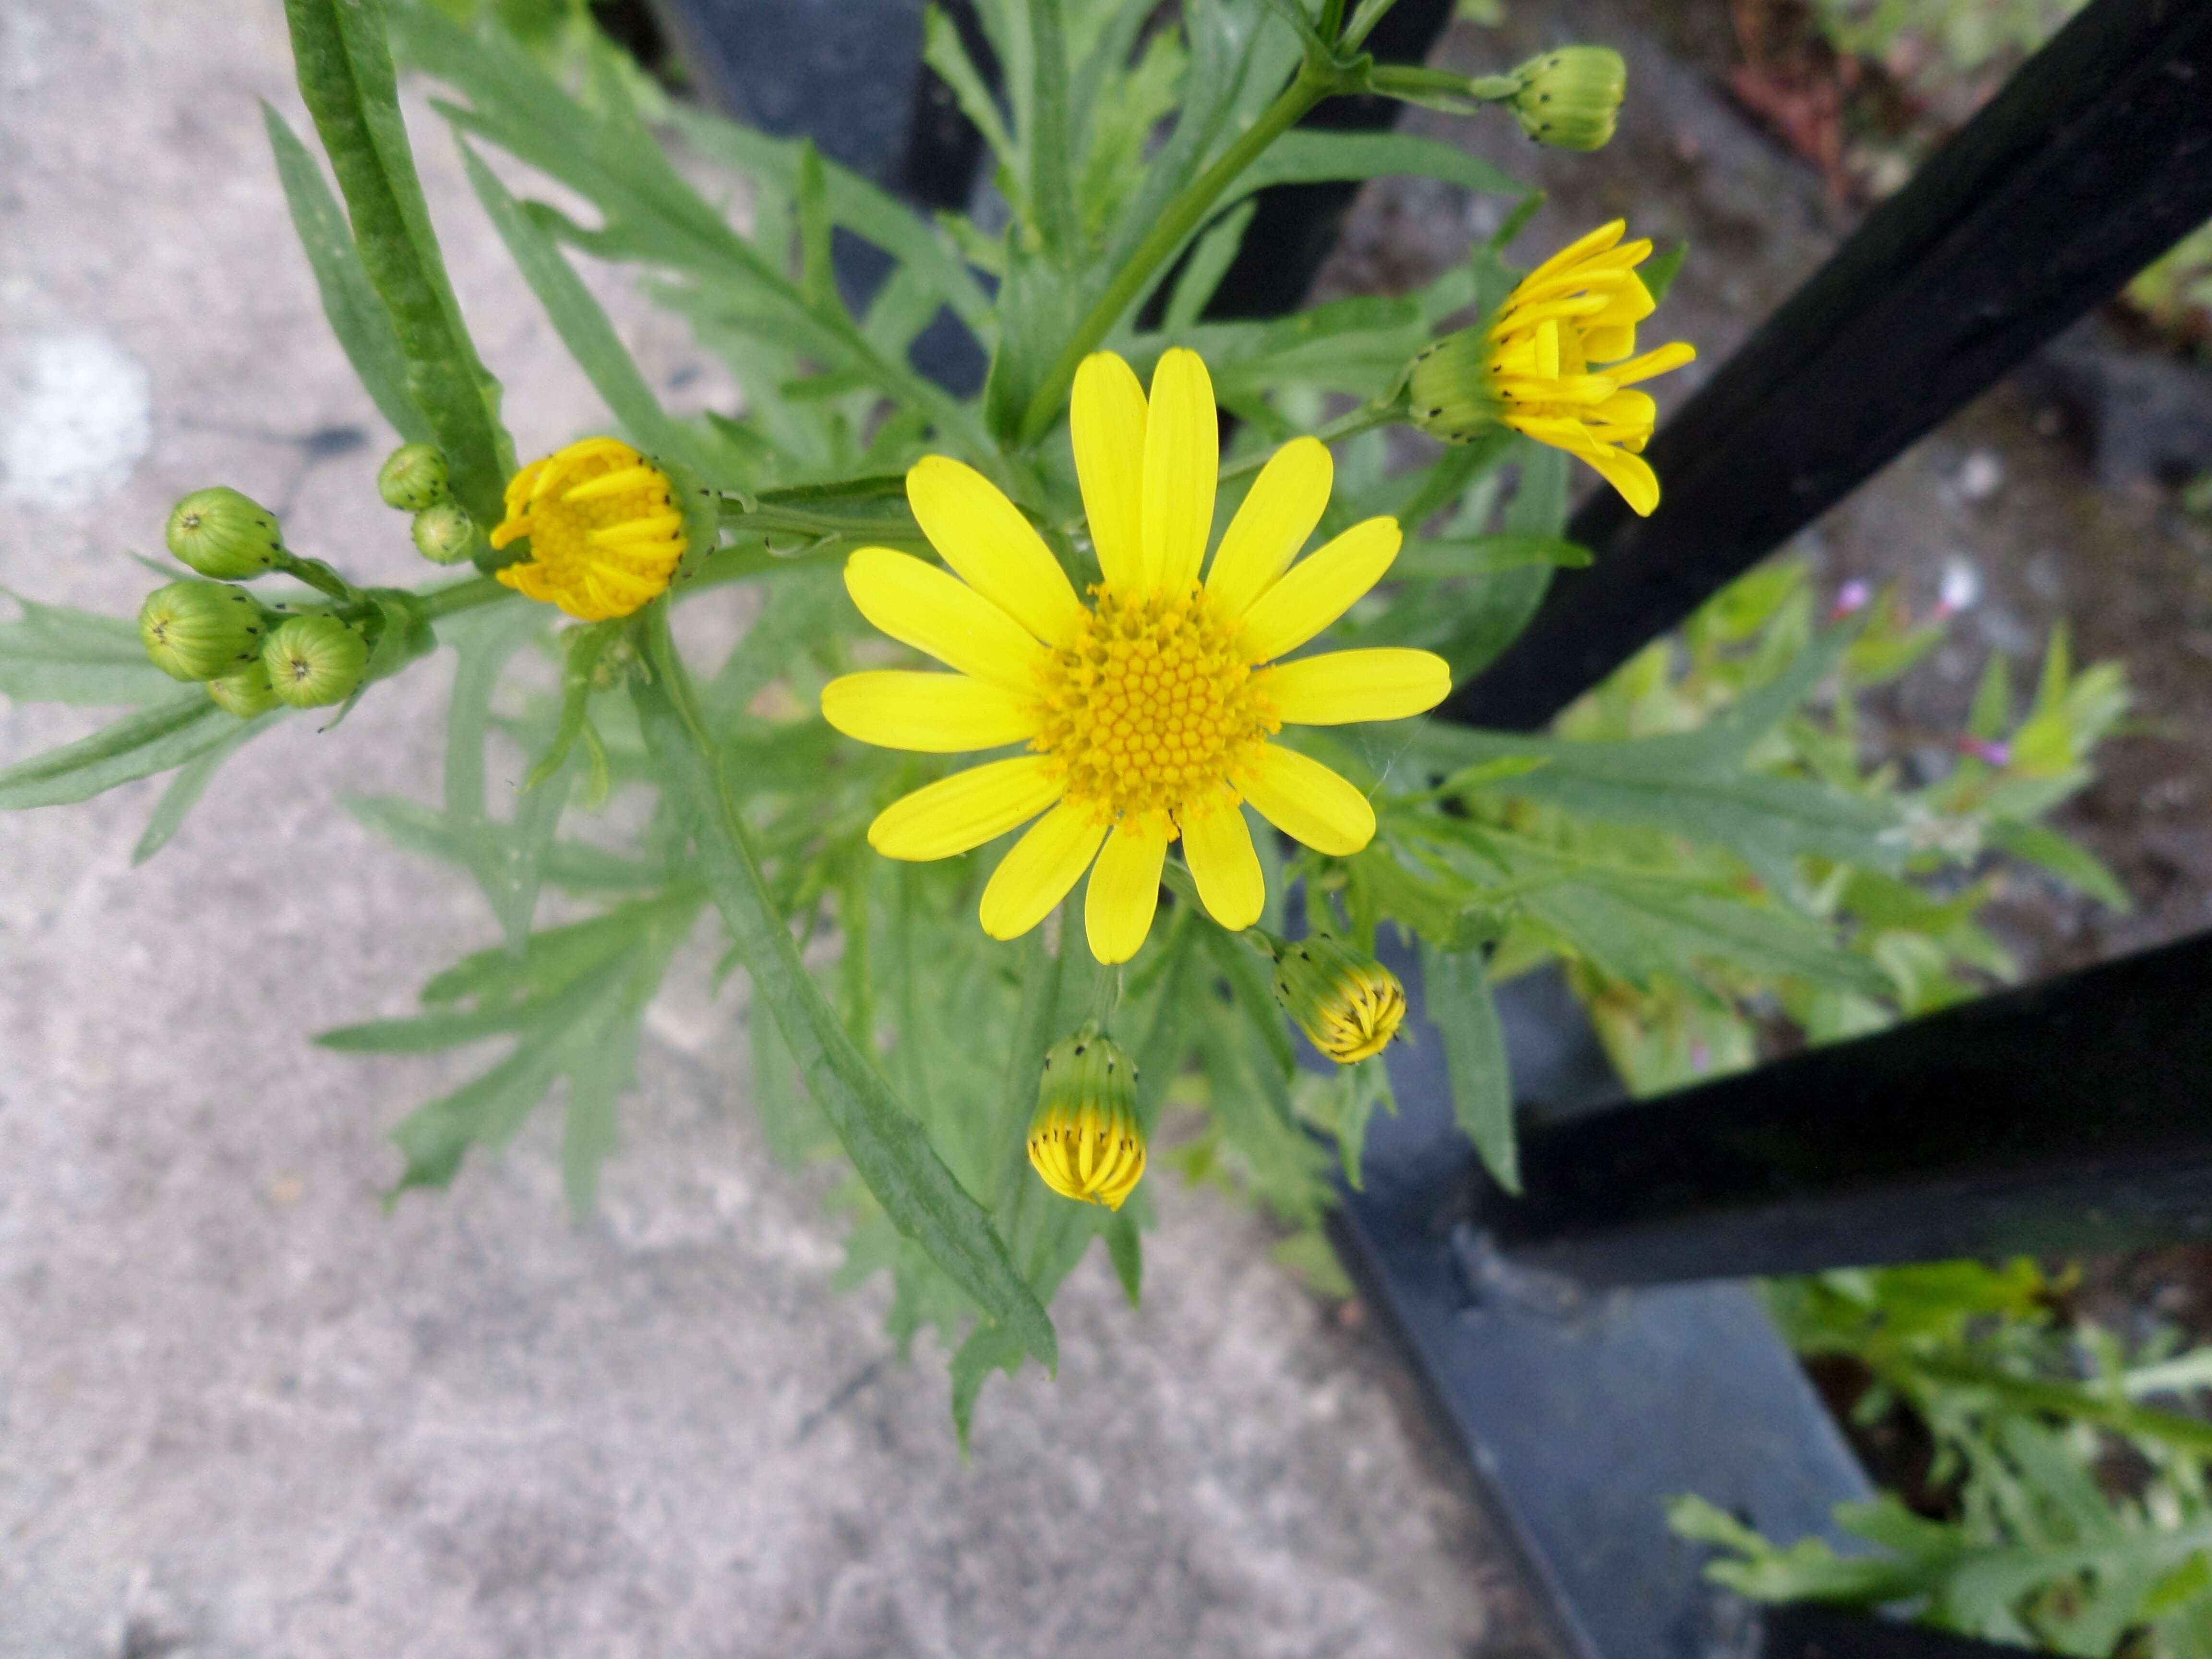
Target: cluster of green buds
{"x": 250, "y": 659}
{"x": 1348, "y": 1005}
{"x": 413, "y": 480}
{"x": 1084, "y": 1139}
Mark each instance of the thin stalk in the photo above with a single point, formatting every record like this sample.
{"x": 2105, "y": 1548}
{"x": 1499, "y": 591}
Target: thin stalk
{"x": 464, "y": 596}
{"x": 1349, "y": 424}
{"x": 1182, "y": 217}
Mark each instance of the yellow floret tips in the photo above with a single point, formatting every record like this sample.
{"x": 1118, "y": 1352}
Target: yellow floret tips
{"x": 1348, "y": 1005}
{"x": 1558, "y": 362}
{"x": 1148, "y": 705}
{"x": 1084, "y": 1140}
{"x": 605, "y": 532}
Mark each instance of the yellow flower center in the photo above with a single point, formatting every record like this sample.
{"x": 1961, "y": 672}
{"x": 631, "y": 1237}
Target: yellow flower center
{"x": 605, "y": 530}
{"x": 1153, "y": 706}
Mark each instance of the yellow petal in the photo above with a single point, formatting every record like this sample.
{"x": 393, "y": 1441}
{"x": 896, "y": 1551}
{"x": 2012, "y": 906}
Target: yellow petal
{"x": 1107, "y": 418}
{"x": 1286, "y": 502}
{"x": 1226, "y": 867}
{"x": 965, "y": 810}
{"x": 934, "y": 714}
{"x": 929, "y": 609}
{"x": 1386, "y": 683}
{"x": 1039, "y": 869}
{"x": 1631, "y": 475}
{"x": 984, "y": 537}
{"x": 1307, "y": 801}
{"x": 1319, "y": 589}
{"x": 1125, "y": 888}
{"x": 1596, "y": 242}
{"x": 1652, "y": 362}
{"x": 1183, "y": 462}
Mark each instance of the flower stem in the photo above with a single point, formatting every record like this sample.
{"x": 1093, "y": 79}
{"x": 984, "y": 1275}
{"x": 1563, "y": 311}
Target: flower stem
{"x": 1314, "y": 81}
{"x": 1349, "y": 424}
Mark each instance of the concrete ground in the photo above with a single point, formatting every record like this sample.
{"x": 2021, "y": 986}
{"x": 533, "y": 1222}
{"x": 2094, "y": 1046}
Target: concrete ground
{"x": 243, "y": 1412}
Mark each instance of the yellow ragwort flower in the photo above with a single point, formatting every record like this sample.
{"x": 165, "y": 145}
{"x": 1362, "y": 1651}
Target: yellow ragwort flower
{"x": 1556, "y": 362}
{"x": 1147, "y": 712}
{"x": 603, "y": 526}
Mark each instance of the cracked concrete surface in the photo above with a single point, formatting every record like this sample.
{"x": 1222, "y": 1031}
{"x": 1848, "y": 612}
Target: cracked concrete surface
{"x": 245, "y": 1413}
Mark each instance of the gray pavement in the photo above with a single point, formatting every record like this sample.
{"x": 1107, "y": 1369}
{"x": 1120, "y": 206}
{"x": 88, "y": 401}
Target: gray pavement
{"x": 245, "y": 1413}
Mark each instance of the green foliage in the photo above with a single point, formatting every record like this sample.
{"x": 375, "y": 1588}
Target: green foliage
{"x": 1698, "y": 840}
{"x": 2071, "y": 1516}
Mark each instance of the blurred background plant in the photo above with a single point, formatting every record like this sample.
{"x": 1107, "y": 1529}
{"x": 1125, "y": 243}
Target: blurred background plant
{"x": 1868, "y": 89}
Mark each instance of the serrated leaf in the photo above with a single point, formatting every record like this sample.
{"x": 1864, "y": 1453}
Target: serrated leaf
{"x": 345, "y": 75}
{"x": 53, "y": 653}
{"x": 888, "y": 1147}
{"x": 350, "y": 301}
{"x": 154, "y": 739}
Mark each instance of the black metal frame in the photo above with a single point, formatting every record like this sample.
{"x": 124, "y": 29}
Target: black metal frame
{"x": 1580, "y": 1340}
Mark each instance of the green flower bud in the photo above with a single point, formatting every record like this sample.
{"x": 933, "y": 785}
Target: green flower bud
{"x": 1084, "y": 1139}
{"x": 1449, "y": 387}
{"x": 412, "y": 477}
{"x": 245, "y": 694}
{"x": 313, "y": 660}
{"x": 199, "y": 630}
{"x": 1569, "y": 99}
{"x": 444, "y": 532}
{"x": 223, "y": 534}
{"x": 1348, "y": 1005}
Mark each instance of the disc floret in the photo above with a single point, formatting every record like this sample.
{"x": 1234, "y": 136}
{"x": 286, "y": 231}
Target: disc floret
{"x": 1152, "y": 706}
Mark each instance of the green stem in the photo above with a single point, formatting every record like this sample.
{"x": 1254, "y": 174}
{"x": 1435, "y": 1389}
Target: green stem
{"x": 317, "y": 576}
{"x": 1351, "y": 424}
{"x": 464, "y": 596}
{"x": 2065, "y": 1400}
{"x": 1182, "y": 217}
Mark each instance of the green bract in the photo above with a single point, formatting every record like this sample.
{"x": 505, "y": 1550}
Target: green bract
{"x": 1570, "y": 98}
{"x": 197, "y": 630}
{"x": 222, "y": 534}
{"x": 245, "y": 693}
{"x": 412, "y": 477}
{"x": 445, "y": 534}
{"x": 315, "y": 661}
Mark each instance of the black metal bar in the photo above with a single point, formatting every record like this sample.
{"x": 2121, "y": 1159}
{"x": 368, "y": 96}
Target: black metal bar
{"x": 1294, "y": 227}
{"x": 1584, "y": 1415}
{"x": 2070, "y": 1116}
{"x": 2092, "y": 161}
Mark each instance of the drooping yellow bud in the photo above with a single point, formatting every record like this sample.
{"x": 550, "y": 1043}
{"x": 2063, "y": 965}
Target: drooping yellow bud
{"x": 1348, "y": 1005}
{"x": 1083, "y": 1139}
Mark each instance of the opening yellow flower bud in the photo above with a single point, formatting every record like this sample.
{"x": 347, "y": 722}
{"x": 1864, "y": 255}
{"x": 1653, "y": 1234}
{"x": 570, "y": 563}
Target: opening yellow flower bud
{"x": 223, "y": 534}
{"x": 315, "y": 661}
{"x": 197, "y": 630}
{"x": 1084, "y": 1140}
{"x": 605, "y": 530}
{"x": 1558, "y": 362}
{"x": 245, "y": 694}
{"x": 445, "y": 533}
{"x": 1348, "y": 1005}
{"x": 1569, "y": 99}
{"x": 412, "y": 477}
